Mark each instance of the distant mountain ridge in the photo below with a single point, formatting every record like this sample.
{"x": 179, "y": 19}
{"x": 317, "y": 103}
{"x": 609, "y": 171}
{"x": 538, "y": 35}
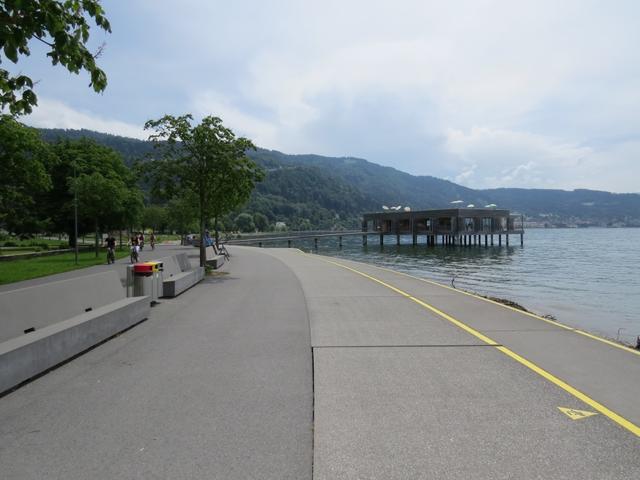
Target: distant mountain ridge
{"x": 323, "y": 192}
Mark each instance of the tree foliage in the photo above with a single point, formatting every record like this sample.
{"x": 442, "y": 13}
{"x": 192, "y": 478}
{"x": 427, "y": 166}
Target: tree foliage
{"x": 206, "y": 159}
{"x": 108, "y": 197}
{"x": 244, "y": 223}
{"x": 61, "y": 25}
{"x": 154, "y": 216}
{"x": 25, "y": 161}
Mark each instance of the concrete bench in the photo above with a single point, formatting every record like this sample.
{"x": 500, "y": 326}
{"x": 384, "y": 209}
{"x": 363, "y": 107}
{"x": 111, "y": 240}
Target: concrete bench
{"x": 179, "y": 275}
{"x": 45, "y": 325}
{"x": 214, "y": 260}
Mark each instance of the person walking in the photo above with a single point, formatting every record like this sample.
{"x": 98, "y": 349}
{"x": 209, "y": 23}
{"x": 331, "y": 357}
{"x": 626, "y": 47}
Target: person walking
{"x": 135, "y": 249}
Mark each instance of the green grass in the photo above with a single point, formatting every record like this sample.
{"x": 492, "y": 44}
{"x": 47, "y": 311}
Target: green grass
{"x": 18, "y": 270}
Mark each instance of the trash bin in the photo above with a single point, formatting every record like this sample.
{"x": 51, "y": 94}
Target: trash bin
{"x": 147, "y": 280}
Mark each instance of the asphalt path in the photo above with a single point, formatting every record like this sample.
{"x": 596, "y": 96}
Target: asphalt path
{"x": 413, "y": 380}
{"x": 217, "y": 383}
{"x": 289, "y": 365}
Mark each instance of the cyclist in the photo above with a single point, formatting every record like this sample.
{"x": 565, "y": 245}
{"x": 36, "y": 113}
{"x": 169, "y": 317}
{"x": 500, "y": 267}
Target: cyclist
{"x": 141, "y": 240}
{"x": 111, "y": 249}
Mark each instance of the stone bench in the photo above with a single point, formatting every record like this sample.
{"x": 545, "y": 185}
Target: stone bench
{"x": 213, "y": 260}
{"x": 178, "y": 275}
{"x": 45, "y": 325}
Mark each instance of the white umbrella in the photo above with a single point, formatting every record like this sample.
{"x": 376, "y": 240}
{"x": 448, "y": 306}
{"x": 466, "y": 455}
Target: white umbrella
{"x": 458, "y": 201}
{"x": 471, "y": 205}
{"x": 384, "y": 207}
{"x": 407, "y": 209}
{"x": 491, "y": 205}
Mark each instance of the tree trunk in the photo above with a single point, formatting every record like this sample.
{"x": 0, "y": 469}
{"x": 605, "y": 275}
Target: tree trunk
{"x": 72, "y": 237}
{"x": 97, "y": 245}
{"x": 203, "y": 252}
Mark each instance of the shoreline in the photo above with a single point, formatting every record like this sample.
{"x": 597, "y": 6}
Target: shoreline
{"x": 517, "y": 306}
{"x": 507, "y": 303}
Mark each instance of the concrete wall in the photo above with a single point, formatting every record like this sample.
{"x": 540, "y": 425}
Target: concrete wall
{"x": 24, "y": 357}
{"x": 43, "y": 305}
{"x": 69, "y": 316}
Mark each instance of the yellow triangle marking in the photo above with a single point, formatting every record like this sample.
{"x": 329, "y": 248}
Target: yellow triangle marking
{"x": 574, "y": 414}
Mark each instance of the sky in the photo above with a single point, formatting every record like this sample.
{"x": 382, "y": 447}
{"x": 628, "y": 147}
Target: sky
{"x": 532, "y": 94}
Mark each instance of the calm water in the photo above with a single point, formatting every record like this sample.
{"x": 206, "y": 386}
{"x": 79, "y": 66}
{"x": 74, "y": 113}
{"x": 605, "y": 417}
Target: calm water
{"x": 587, "y": 278}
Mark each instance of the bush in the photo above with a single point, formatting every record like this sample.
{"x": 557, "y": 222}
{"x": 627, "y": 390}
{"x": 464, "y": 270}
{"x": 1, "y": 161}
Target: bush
{"x": 10, "y": 244}
{"x": 39, "y": 245}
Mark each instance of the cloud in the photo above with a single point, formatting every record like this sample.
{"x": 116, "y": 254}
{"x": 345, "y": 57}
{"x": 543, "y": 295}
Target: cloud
{"x": 491, "y": 158}
{"x": 55, "y": 114}
{"x": 486, "y": 92}
{"x": 261, "y": 132}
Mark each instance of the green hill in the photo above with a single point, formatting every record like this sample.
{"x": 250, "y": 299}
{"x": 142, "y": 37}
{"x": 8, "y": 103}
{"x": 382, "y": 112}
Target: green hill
{"x": 313, "y": 191}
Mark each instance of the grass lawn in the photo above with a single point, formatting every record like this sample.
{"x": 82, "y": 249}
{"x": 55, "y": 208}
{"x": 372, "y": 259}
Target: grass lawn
{"x": 18, "y": 270}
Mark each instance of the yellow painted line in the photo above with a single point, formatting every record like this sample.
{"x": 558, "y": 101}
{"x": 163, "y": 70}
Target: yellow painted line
{"x": 502, "y": 305}
{"x": 623, "y": 422}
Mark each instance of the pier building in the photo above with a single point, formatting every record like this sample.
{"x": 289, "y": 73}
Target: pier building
{"x": 452, "y": 226}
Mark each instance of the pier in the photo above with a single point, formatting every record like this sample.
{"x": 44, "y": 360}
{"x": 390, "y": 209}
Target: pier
{"x": 300, "y": 366}
{"x": 454, "y": 226}
{"x": 465, "y": 227}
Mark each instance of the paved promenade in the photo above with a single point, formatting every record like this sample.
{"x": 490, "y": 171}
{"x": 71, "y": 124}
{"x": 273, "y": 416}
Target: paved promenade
{"x": 301, "y": 366}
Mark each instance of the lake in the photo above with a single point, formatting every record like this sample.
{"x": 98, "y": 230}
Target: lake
{"x": 587, "y": 278}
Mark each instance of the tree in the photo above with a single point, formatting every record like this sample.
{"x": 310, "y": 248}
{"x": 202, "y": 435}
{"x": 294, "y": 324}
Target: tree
{"x": 206, "y": 159}
{"x": 24, "y": 163}
{"x": 245, "y": 224}
{"x": 108, "y": 197}
{"x": 182, "y": 214}
{"x": 261, "y": 221}
{"x": 62, "y": 26}
{"x": 154, "y": 216}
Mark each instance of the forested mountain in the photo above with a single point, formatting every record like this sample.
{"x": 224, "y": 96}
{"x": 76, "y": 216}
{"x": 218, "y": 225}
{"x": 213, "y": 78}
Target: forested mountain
{"x": 312, "y": 191}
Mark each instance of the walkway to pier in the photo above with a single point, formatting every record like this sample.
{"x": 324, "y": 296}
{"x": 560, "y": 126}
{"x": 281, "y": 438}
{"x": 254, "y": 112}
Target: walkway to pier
{"x": 293, "y": 364}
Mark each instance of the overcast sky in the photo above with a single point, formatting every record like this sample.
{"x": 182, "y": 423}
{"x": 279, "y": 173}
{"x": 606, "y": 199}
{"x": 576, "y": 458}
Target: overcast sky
{"x": 484, "y": 93}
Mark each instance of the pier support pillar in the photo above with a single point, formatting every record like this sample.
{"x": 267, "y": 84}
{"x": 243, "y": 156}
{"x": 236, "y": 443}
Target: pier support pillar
{"x": 522, "y": 239}
{"x": 507, "y": 236}
{"x": 381, "y": 239}
{"x": 486, "y": 241}
{"x": 500, "y": 240}
{"x": 492, "y": 239}
{"x": 289, "y": 243}
{"x": 340, "y": 241}
{"x": 364, "y": 240}
{"x": 397, "y": 239}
